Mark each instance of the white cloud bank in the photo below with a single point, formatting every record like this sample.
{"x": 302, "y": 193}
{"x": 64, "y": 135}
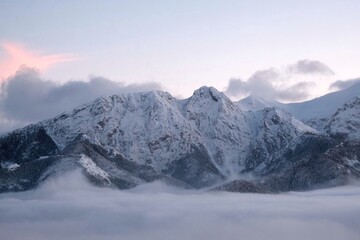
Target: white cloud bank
{"x": 69, "y": 208}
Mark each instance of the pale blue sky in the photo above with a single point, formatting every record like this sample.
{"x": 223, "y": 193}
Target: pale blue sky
{"x": 186, "y": 44}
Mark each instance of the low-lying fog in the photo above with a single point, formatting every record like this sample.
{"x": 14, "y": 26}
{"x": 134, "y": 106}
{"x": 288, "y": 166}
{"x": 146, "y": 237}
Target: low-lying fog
{"x": 70, "y": 208}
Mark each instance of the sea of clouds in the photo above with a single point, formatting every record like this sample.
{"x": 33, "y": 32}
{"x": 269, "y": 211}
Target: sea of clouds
{"x": 70, "y": 208}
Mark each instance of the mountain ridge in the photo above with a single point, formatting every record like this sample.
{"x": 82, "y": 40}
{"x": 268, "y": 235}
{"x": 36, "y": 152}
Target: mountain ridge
{"x": 198, "y": 142}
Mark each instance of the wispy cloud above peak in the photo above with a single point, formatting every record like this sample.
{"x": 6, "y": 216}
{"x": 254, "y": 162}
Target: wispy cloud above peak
{"x": 15, "y": 55}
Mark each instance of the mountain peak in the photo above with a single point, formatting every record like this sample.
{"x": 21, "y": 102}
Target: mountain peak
{"x": 346, "y": 121}
{"x": 206, "y": 92}
{"x": 254, "y": 103}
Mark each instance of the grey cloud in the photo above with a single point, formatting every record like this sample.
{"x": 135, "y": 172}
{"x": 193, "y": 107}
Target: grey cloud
{"x": 296, "y": 92}
{"x": 310, "y": 67}
{"x": 27, "y": 97}
{"x": 236, "y": 87}
{"x": 60, "y": 209}
{"x": 261, "y": 83}
{"x": 342, "y": 84}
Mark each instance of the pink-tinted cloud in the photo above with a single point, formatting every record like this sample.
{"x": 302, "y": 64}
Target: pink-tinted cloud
{"x": 16, "y": 55}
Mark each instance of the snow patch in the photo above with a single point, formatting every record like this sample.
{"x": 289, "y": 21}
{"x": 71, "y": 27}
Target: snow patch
{"x": 354, "y": 163}
{"x": 9, "y": 166}
{"x": 92, "y": 169}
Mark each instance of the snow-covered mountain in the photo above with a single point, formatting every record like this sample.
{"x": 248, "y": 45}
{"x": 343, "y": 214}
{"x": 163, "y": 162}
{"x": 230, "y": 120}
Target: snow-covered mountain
{"x": 315, "y": 113}
{"x": 273, "y": 130}
{"x": 206, "y": 140}
{"x": 346, "y": 120}
{"x": 318, "y": 111}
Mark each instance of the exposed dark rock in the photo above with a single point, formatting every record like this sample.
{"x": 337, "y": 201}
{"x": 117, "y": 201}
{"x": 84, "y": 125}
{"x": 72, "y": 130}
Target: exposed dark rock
{"x": 242, "y": 186}
{"x": 26, "y": 145}
{"x": 195, "y": 169}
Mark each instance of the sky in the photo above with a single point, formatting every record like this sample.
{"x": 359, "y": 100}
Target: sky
{"x": 282, "y": 49}
{"x": 60, "y": 209}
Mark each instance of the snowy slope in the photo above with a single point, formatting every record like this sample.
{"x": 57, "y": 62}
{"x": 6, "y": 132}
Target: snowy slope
{"x": 146, "y": 128}
{"x": 222, "y": 125}
{"x": 322, "y": 107}
{"x": 273, "y": 131}
{"x": 346, "y": 120}
{"x": 275, "y": 120}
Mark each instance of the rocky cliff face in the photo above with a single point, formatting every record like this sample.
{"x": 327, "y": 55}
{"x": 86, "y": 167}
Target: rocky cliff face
{"x": 206, "y": 140}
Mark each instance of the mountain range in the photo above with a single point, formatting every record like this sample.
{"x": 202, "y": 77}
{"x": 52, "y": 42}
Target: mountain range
{"x": 204, "y": 142}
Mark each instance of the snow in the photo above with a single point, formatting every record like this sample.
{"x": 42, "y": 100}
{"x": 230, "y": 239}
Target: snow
{"x": 346, "y": 120}
{"x": 354, "y": 163}
{"x": 92, "y": 169}
{"x": 223, "y": 128}
{"x": 9, "y": 166}
{"x": 139, "y": 126}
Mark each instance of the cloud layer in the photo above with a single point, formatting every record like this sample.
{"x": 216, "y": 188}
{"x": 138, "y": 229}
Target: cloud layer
{"x": 268, "y": 84}
{"x": 26, "y": 97}
{"x": 289, "y": 84}
{"x": 61, "y": 209}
